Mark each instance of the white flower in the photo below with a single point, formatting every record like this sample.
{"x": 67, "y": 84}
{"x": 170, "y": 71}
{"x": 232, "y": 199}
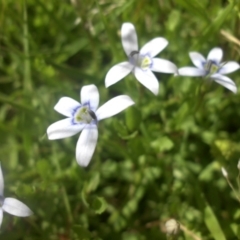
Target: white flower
{"x": 142, "y": 62}
{"x": 212, "y": 68}
{"x": 11, "y": 205}
{"x": 84, "y": 117}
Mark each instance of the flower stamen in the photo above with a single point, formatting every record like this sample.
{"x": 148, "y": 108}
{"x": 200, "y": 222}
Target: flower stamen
{"x": 84, "y": 114}
{"x": 92, "y": 114}
{"x": 211, "y": 67}
{"x": 144, "y": 62}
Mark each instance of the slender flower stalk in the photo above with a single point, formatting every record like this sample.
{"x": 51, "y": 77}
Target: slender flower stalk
{"x": 140, "y": 62}
{"x": 225, "y": 174}
{"x": 211, "y": 68}
{"x": 84, "y": 117}
{"x": 11, "y": 205}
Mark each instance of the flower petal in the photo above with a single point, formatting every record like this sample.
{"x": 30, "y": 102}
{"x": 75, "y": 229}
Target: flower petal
{"x": 63, "y": 129}
{"x": 90, "y": 95}
{"x": 164, "y": 66}
{"x": 1, "y": 216}
{"x": 229, "y": 67}
{"x": 191, "y": 71}
{"x": 225, "y": 81}
{"x": 86, "y": 145}
{"x": 129, "y": 38}
{"x": 154, "y": 47}
{"x": 215, "y": 55}
{"x": 66, "y": 106}
{"x": 117, "y": 73}
{"x": 148, "y": 79}
{"x": 16, "y": 208}
{"x": 114, "y": 106}
{"x": 1, "y": 183}
{"x": 197, "y": 59}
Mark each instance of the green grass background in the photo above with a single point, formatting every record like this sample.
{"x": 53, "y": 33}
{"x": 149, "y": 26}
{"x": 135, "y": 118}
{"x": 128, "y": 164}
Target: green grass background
{"x": 158, "y": 160}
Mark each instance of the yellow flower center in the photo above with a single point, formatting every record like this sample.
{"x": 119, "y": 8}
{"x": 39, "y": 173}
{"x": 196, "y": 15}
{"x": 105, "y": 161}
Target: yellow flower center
{"x": 83, "y": 114}
{"x": 144, "y": 62}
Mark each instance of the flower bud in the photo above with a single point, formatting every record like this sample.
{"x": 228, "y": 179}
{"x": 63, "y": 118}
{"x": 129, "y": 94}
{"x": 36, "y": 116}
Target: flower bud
{"x": 172, "y": 227}
{"x": 224, "y": 172}
{"x": 238, "y": 166}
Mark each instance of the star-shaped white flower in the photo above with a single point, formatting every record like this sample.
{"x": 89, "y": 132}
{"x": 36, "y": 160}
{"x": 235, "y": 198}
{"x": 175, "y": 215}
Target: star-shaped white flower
{"x": 211, "y": 68}
{"x": 85, "y": 117}
{"x": 140, "y": 63}
{"x": 11, "y": 205}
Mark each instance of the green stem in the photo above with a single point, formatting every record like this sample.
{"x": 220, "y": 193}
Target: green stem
{"x": 64, "y": 193}
{"x": 27, "y": 65}
{"x": 234, "y": 191}
{"x": 200, "y": 96}
{"x": 238, "y": 182}
{"x": 141, "y": 92}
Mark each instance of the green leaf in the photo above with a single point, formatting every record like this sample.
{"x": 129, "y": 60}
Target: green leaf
{"x": 99, "y": 205}
{"x": 131, "y": 136}
{"x": 226, "y": 148}
{"x": 173, "y": 20}
{"x": 208, "y": 172}
{"x": 133, "y": 118}
{"x": 212, "y": 224}
{"x": 43, "y": 168}
{"x": 162, "y": 144}
{"x": 217, "y": 23}
{"x": 71, "y": 72}
{"x": 120, "y": 128}
{"x": 195, "y": 7}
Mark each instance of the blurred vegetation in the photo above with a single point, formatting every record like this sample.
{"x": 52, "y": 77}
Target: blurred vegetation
{"x": 158, "y": 160}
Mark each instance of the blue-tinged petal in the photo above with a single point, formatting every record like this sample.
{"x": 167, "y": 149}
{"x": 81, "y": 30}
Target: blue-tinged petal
{"x": 117, "y": 73}
{"x": 114, "y": 106}
{"x": 16, "y": 208}
{"x": 225, "y": 81}
{"x": 90, "y": 95}
{"x": 164, "y": 66}
{"x": 197, "y": 59}
{"x": 1, "y": 183}
{"x": 129, "y": 38}
{"x": 86, "y": 145}
{"x": 154, "y": 47}
{"x": 66, "y": 106}
{"x": 229, "y": 67}
{"x": 191, "y": 71}
{"x": 63, "y": 129}
{"x": 148, "y": 79}
{"x": 215, "y": 55}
